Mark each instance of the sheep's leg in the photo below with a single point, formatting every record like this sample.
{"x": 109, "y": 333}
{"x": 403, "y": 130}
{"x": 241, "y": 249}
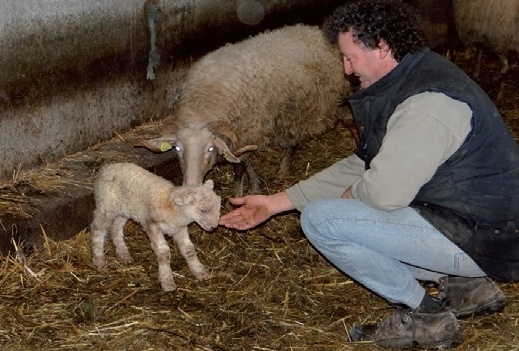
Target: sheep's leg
{"x": 286, "y": 161}
{"x": 98, "y": 231}
{"x": 161, "y": 249}
{"x": 503, "y": 58}
{"x": 187, "y": 250}
{"x": 239, "y": 174}
{"x": 117, "y": 235}
{"x": 254, "y": 181}
{"x": 477, "y": 68}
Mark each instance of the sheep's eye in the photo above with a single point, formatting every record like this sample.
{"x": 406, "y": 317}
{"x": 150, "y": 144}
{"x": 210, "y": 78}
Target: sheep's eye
{"x": 211, "y": 149}
{"x": 204, "y": 211}
{"x": 178, "y": 148}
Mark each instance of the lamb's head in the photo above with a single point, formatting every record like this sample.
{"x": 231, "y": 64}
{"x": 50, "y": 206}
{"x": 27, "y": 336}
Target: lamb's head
{"x": 201, "y": 204}
{"x": 197, "y": 147}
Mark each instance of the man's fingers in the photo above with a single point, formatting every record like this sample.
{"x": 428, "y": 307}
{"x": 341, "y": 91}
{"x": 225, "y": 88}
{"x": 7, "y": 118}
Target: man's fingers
{"x": 229, "y": 217}
{"x": 240, "y": 225}
{"x": 236, "y": 200}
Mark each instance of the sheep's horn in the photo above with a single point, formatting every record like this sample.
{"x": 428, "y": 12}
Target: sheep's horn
{"x": 245, "y": 149}
{"x": 224, "y": 129}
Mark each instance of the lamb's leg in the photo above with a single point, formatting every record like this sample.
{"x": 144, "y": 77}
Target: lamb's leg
{"x": 161, "y": 249}
{"x": 98, "y": 231}
{"x": 117, "y": 235}
{"x": 187, "y": 250}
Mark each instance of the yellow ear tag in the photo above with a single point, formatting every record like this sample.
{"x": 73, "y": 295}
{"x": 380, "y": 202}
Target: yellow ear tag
{"x": 165, "y": 146}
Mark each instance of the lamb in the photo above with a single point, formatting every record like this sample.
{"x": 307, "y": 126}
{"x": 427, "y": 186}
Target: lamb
{"x": 126, "y": 191}
{"x": 277, "y": 88}
{"x": 493, "y": 23}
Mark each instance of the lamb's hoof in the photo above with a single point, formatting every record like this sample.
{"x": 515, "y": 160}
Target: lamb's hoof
{"x": 126, "y": 259}
{"x": 168, "y": 287}
{"x": 102, "y": 270}
{"x": 100, "y": 265}
{"x": 203, "y": 275}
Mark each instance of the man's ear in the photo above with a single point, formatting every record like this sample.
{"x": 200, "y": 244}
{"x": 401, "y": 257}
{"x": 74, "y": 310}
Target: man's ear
{"x": 384, "y": 49}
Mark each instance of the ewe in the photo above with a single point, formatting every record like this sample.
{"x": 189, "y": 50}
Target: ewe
{"x": 277, "y": 88}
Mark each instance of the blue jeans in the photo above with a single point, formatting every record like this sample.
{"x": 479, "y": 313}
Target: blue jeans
{"x": 386, "y": 252}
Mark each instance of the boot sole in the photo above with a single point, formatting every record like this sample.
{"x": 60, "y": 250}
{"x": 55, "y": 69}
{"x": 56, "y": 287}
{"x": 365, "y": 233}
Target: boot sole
{"x": 443, "y": 345}
{"x": 360, "y": 333}
{"x": 484, "y": 310}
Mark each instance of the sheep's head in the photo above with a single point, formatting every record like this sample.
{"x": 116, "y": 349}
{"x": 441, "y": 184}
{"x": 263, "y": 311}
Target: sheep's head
{"x": 197, "y": 148}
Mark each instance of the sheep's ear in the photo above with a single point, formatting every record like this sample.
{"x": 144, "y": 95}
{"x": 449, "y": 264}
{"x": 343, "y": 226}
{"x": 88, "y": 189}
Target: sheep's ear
{"x": 161, "y": 144}
{"x": 166, "y": 141}
{"x": 224, "y": 150}
{"x": 209, "y": 184}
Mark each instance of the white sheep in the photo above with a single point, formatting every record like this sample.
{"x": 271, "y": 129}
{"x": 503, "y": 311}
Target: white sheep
{"x": 493, "y": 23}
{"x": 126, "y": 191}
{"x": 277, "y": 88}
{"x": 437, "y": 20}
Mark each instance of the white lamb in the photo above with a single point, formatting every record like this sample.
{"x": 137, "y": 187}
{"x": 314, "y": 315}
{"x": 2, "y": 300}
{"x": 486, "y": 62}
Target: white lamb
{"x": 126, "y": 191}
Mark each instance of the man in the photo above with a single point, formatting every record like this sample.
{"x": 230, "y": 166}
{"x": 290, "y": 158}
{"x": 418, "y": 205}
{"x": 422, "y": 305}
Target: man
{"x": 431, "y": 193}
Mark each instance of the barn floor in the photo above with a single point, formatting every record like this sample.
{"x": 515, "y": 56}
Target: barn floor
{"x": 269, "y": 289}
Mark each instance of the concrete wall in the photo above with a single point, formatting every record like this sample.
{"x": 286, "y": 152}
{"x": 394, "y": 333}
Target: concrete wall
{"x": 74, "y": 72}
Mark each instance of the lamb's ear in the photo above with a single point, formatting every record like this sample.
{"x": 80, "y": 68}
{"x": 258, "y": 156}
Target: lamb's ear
{"x": 224, "y": 150}
{"x": 209, "y": 184}
{"x": 185, "y": 198}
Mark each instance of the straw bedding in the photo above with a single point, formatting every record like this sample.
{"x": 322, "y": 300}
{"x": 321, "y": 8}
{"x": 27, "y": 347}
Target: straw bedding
{"x": 269, "y": 289}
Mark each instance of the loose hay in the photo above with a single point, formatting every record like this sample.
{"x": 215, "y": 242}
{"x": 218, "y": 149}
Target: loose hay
{"x": 269, "y": 289}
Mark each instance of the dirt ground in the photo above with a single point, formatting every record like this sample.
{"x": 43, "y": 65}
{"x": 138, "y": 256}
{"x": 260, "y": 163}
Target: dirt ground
{"x": 269, "y": 289}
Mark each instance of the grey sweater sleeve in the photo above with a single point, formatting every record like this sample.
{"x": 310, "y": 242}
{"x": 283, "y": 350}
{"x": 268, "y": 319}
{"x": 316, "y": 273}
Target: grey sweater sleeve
{"x": 423, "y": 132}
{"x": 330, "y": 182}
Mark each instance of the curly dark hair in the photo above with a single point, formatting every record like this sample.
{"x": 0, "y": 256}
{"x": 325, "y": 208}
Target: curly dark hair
{"x": 373, "y": 20}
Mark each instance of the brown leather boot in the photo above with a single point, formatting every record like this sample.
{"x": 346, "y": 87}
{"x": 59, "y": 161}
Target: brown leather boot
{"x": 471, "y": 296}
{"x": 406, "y": 327}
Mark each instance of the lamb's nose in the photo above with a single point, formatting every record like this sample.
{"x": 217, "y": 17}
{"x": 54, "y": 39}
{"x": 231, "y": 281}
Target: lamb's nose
{"x": 210, "y": 228}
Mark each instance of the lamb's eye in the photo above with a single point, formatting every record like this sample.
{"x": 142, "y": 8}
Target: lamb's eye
{"x": 211, "y": 149}
{"x": 178, "y": 148}
{"x": 204, "y": 211}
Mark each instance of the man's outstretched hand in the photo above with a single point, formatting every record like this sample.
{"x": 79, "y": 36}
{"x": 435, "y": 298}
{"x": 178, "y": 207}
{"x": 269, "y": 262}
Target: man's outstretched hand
{"x": 255, "y": 209}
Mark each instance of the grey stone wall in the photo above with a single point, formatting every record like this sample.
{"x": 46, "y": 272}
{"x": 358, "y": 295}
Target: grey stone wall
{"x": 72, "y": 73}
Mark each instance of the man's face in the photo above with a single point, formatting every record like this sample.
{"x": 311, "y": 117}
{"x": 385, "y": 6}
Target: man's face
{"x": 365, "y": 63}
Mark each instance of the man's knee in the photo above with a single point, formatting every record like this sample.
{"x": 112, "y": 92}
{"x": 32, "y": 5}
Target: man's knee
{"x": 313, "y": 215}
{"x": 306, "y": 217}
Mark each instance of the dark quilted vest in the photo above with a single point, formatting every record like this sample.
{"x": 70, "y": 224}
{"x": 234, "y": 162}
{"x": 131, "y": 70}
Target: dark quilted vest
{"x": 473, "y": 198}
